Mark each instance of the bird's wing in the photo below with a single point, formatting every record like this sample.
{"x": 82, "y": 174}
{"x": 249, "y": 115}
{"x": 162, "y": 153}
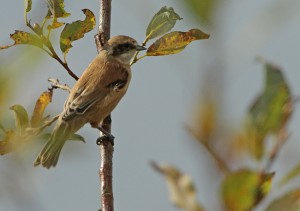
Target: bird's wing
{"x": 82, "y": 102}
{"x": 88, "y": 95}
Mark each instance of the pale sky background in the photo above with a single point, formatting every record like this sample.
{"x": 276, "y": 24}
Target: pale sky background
{"x": 149, "y": 122}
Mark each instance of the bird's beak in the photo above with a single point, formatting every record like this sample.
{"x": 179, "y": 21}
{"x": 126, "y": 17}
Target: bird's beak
{"x": 140, "y": 48}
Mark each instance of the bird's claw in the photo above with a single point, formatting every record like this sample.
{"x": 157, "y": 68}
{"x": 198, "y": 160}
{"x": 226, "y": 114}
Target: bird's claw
{"x": 109, "y": 137}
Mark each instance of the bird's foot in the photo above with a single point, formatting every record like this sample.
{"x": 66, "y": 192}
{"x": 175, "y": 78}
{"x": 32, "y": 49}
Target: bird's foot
{"x": 108, "y": 137}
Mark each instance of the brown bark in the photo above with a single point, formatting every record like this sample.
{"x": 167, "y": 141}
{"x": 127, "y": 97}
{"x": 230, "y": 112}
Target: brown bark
{"x": 106, "y": 147}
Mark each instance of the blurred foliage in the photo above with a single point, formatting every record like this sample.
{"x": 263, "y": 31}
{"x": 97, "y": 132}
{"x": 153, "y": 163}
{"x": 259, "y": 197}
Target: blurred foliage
{"x": 24, "y": 133}
{"x": 292, "y": 174}
{"x": 289, "y": 201}
{"x": 203, "y": 10}
{"x": 243, "y": 189}
{"x": 268, "y": 114}
{"x": 271, "y": 110}
{"x": 181, "y": 188}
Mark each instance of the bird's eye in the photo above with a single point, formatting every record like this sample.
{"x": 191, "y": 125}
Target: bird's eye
{"x": 126, "y": 45}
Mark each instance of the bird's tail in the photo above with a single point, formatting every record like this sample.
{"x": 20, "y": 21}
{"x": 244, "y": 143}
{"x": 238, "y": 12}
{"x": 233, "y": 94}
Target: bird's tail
{"x": 49, "y": 155}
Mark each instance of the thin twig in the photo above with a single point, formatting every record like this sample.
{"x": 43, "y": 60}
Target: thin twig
{"x": 52, "y": 52}
{"x": 220, "y": 162}
{"x": 56, "y": 57}
{"x": 56, "y": 85}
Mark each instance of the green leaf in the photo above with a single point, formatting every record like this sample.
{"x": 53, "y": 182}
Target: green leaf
{"x": 56, "y": 10}
{"x": 295, "y": 172}
{"x": 243, "y": 189}
{"x": 28, "y": 5}
{"x": 40, "y": 106}
{"x": 76, "y": 30}
{"x": 162, "y": 22}
{"x": 271, "y": 110}
{"x": 21, "y": 118}
{"x": 181, "y": 188}
{"x": 21, "y": 37}
{"x": 76, "y": 137}
{"x": 174, "y": 42}
{"x": 289, "y": 201}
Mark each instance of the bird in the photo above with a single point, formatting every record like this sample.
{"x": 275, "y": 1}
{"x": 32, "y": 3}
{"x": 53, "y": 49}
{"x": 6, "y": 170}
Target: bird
{"x": 94, "y": 96}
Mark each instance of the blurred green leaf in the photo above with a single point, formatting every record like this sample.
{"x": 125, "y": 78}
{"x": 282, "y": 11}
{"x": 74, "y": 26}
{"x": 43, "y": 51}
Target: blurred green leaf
{"x": 13, "y": 141}
{"x": 40, "y": 106}
{"x": 203, "y": 9}
{"x": 243, "y": 189}
{"x": 28, "y": 4}
{"x": 295, "y": 172}
{"x": 162, "y": 22}
{"x": 76, "y": 30}
{"x": 181, "y": 188}
{"x": 290, "y": 202}
{"x": 2, "y": 128}
{"x": 271, "y": 110}
{"x": 8, "y": 143}
{"x": 21, "y": 37}
{"x": 21, "y": 118}
{"x": 174, "y": 42}
{"x": 76, "y": 137}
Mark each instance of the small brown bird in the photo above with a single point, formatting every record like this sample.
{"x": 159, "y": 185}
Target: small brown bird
{"x": 94, "y": 95}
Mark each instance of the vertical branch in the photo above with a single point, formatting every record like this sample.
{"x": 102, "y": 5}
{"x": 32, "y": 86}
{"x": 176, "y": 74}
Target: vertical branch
{"x": 106, "y": 148}
{"x": 104, "y": 24}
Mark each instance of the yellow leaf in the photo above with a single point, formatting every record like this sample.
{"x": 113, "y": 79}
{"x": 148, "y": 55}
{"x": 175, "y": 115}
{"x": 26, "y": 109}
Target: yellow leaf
{"x": 40, "y": 106}
{"x": 8, "y": 143}
{"x": 206, "y": 120}
{"x": 21, "y": 37}
{"x": 174, "y": 42}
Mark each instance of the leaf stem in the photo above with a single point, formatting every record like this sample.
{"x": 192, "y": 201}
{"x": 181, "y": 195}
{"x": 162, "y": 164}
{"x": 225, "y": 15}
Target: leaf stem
{"x": 282, "y": 138}
{"x": 56, "y": 57}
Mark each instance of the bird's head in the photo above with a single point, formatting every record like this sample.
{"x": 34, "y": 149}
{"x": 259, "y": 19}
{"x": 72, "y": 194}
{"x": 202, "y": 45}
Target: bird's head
{"x": 123, "y": 48}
